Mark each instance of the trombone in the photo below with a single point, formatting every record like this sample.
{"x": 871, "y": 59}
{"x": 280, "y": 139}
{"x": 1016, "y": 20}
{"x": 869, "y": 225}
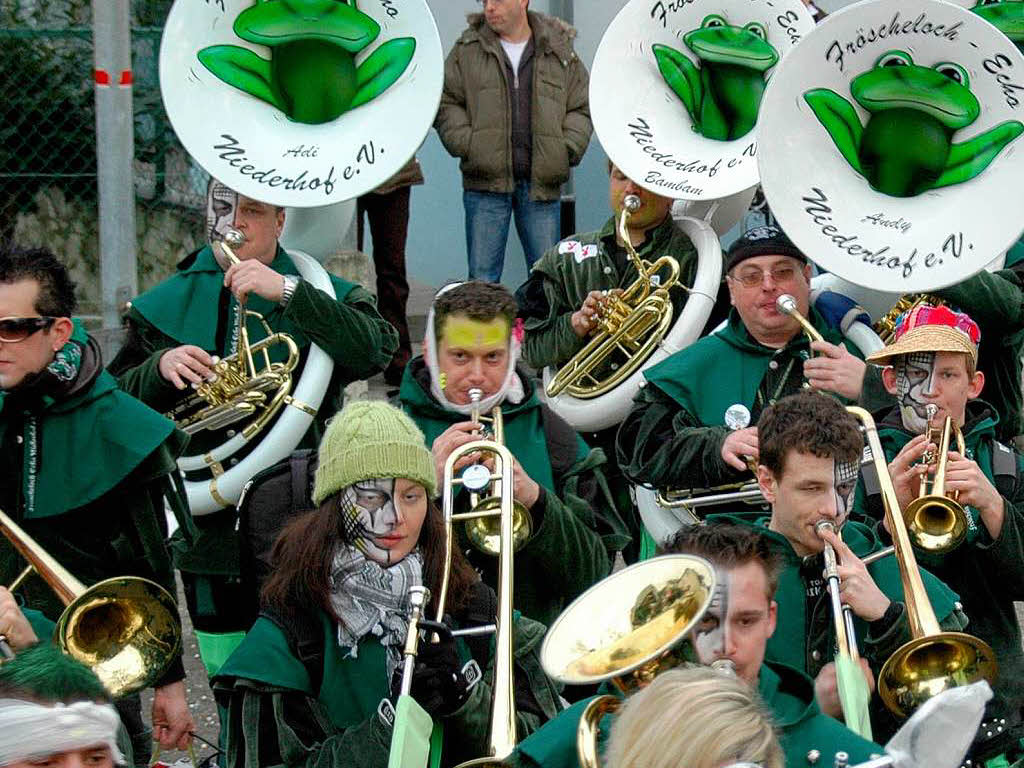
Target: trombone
{"x": 500, "y": 506}
{"x": 482, "y": 527}
{"x": 853, "y": 696}
{"x": 126, "y": 629}
{"x": 933, "y": 661}
{"x": 937, "y": 522}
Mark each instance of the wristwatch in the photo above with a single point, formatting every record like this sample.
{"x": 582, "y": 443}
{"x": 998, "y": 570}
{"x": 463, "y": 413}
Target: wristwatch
{"x": 290, "y": 281}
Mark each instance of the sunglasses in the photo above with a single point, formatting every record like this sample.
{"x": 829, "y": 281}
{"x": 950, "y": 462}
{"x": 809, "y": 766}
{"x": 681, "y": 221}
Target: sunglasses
{"x": 15, "y": 329}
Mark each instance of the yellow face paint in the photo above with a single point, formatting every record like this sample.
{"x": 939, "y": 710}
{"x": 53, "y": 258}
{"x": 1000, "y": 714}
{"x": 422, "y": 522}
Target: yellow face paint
{"x": 465, "y": 333}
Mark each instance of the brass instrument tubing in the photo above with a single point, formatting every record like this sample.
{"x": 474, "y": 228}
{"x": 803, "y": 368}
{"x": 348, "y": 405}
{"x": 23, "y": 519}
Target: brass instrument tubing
{"x": 842, "y": 614}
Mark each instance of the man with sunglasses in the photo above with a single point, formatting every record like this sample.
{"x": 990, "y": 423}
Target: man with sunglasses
{"x": 85, "y": 466}
{"x": 676, "y": 434}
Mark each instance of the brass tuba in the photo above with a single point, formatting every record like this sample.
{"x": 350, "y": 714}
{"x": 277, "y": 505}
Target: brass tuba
{"x": 626, "y": 629}
{"x": 126, "y": 629}
{"x": 632, "y": 324}
{"x": 933, "y": 661}
{"x": 241, "y": 389}
{"x": 936, "y": 521}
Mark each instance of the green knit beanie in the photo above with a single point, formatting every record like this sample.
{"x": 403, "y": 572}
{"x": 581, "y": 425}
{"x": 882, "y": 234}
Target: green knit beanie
{"x": 371, "y": 439}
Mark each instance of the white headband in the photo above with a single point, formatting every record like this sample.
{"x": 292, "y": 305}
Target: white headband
{"x": 511, "y": 388}
{"x": 31, "y": 730}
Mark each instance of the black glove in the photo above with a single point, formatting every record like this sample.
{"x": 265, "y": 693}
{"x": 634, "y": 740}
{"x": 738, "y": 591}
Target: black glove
{"x": 438, "y": 684}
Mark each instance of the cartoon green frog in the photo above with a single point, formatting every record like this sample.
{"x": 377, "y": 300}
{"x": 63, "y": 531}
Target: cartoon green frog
{"x": 311, "y": 76}
{"x": 1005, "y": 15}
{"x": 907, "y": 145}
{"x": 724, "y": 94}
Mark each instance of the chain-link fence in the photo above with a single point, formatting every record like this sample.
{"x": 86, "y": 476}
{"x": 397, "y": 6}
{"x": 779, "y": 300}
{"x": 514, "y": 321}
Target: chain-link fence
{"x": 48, "y": 141}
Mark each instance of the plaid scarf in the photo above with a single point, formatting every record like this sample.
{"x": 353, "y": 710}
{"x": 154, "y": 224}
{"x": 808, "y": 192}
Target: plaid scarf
{"x": 371, "y": 599}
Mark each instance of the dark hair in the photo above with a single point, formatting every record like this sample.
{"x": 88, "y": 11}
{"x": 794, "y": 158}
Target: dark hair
{"x": 304, "y": 552}
{"x": 46, "y": 676}
{"x": 807, "y": 422}
{"x": 477, "y": 299}
{"x": 56, "y": 291}
{"x": 728, "y": 546}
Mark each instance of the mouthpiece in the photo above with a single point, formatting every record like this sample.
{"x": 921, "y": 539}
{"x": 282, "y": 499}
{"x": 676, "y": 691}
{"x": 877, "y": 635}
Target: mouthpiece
{"x": 631, "y": 203}
{"x": 234, "y": 237}
{"x": 475, "y": 394}
{"x": 724, "y": 666}
{"x": 824, "y": 525}
{"x": 930, "y": 410}
{"x": 786, "y": 304}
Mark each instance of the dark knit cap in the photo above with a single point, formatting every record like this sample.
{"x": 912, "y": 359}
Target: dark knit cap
{"x": 761, "y": 241}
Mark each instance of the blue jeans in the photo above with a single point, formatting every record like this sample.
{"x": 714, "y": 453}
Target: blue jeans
{"x": 538, "y": 223}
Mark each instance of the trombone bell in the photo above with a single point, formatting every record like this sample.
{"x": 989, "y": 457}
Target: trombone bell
{"x": 930, "y": 665}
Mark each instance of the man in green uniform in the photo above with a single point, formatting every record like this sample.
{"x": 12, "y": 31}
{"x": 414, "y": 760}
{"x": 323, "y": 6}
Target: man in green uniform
{"x": 562, "y": 299}
{"x": 676, "y": 434}
{"x": 810, "y": 455}
{"x": 932, "y": 362}
{"x": 86, "y": 467}
{"x": 177, "y": 328}
{"x": 749, "y": 570}
{"x": 471, "y": 343}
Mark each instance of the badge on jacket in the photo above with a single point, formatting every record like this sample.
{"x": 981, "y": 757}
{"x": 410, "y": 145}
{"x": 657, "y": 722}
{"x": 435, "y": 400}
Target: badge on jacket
{"x": 579, "y": 251}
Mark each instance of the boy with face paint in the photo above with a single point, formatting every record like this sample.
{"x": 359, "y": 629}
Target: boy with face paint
{"x": 472, "y": 342}
{"x": 932, "y": 361}
{"x": 810, "y": 452}
{"x": 176, "y": 329}
{"x": 738, "y": 624}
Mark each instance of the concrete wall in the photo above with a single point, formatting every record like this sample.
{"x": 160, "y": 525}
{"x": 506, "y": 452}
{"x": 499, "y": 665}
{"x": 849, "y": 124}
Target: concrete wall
{"x": 437, "y": 243}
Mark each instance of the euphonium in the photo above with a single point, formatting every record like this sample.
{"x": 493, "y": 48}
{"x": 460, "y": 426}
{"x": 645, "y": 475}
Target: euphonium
{"x": 240, "y": 389}
{"x": 937, "y": 522}
{"x": 126, "y": 629}
{"x": 477, "y": 477}
{"x": 632, "y": 324}
{"x": 933, "y": 661}
{"x": 627, "y": 629}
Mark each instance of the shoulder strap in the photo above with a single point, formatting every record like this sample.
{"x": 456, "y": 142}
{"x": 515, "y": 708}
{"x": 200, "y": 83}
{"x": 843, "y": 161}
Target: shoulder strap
{"x": 305, "y": 638}
{"x": 1005, "y": 469}
{"x": 299, "y": 463}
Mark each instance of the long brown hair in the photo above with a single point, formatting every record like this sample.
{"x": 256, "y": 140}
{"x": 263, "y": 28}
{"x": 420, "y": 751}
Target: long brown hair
{"x": 304, "y": 552}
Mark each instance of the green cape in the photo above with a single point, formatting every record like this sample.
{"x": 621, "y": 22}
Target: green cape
{"x": 102, "y": 422}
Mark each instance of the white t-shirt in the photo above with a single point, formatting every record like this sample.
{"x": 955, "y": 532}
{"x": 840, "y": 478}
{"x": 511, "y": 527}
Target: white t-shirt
{"x": 514, "y": 51}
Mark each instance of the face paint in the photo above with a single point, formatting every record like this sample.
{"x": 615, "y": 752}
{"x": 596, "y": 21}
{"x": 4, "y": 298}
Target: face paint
{"x": 462, "y": 332}
{"x": 369, "y": 513}
{"x": 221, "y": 204}
{"x": 846, "y": 473}
{"x": 710, "y": 636}
{"x": 914, "y": 379}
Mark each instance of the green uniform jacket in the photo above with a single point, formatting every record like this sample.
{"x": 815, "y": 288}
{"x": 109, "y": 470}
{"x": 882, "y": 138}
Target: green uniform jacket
{"x": 87, "y": 477}
{"x": 561, "y": 280}
{"x": 995, "y": 301}
{"x": 193, "y": 307}
{"x": 788, "y": 693}
{"x": 988, "y": 574}
{"x": 575, "y": 523}
{"x": 805, "y": 635}
{"x": 272, "y": 716}
{"x": 474, "y": 120}
{"x": 673, "y": 435}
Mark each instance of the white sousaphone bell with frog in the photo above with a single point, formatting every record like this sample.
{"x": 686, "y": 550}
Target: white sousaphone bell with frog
{"x": 301, "y": 104}
{"x": 674, "y": 100}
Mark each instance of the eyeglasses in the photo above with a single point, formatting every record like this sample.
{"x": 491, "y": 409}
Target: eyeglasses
{"x": 15, "y": 329}
{"x": 753, "y": 278}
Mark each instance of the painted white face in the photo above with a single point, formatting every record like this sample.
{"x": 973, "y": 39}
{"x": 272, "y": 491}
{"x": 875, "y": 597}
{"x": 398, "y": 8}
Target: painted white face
{"x": 370, "y": 517}
{"x": 915, "y": 382}
{"x": 221, "y": 205}
{"x": 710, "y": 636}
{"x": 846, "y": 473}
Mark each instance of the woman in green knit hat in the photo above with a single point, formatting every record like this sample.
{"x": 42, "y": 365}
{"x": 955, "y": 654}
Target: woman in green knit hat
{"x": 315, "y": 680}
